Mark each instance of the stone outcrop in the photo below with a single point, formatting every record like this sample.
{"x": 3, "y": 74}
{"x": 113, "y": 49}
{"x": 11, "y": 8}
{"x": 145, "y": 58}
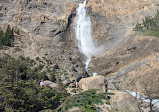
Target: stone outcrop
{"x": 97, "y": 82}
{"x": 123, "y": 102}
{"x": 51, "y": 84}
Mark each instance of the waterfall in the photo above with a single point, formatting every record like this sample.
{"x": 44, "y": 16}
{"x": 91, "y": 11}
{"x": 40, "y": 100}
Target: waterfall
{"x": 83, "y": 31}
{"x": 86, "y": 64}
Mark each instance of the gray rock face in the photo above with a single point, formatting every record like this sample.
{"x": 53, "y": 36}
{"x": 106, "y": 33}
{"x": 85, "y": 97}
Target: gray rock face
{"x": 47, "y": 29}
{"x": 123, "y": 102}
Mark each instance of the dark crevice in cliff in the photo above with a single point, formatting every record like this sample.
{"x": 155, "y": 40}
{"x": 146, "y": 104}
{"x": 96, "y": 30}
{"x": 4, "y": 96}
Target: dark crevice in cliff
{"x": 58, "y": 33}
{"x": 71, "y": 16}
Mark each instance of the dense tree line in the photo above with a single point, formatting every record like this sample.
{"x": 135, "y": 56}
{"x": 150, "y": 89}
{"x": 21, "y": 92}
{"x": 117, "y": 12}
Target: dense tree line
{"x": 20, "y": 90}
{"x": 7, "y": 37}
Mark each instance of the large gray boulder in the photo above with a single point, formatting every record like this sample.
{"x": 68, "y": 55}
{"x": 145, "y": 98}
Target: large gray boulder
{"x": 97, "y": 82}
{"x": 51, "y": 84}
{"x": 123, "y": 102}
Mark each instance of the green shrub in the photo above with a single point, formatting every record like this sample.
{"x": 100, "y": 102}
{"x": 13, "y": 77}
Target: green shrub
{"x": 110, "y": 93}
{"x": 20, "y": 90}
{"x": 22, "y": 68}
{"x": 90, "y": 108}
{"x": 1, "y": 38}
{"x": 17, "y": 49}
{"x": 107, "y": 101}
{"x": 73, "y": 90}
{"x": 40, "y": 67}
{"x": 52, "y": 76}
{"x": 37, "y": 59}
{"x": 85, "y": 100}
{"x": 27, "y": 96}
{"x": 42, "y": 75}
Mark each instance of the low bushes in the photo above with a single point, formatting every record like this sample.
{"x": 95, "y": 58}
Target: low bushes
{"x": 85, "y": 100}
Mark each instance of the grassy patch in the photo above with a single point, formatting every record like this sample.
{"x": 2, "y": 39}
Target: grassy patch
{"x": 152, "y": 33}
{"x": 111, "y": 94}
{"x": 107, "y": 101}
{"x": 149, "y": 26}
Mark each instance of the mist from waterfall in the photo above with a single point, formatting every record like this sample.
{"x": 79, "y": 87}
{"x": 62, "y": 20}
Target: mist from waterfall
{"x": 83, "y": 31}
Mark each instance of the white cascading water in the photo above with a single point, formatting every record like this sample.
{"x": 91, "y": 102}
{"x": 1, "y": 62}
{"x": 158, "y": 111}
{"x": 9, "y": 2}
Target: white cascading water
{"x": 83, "y": 31}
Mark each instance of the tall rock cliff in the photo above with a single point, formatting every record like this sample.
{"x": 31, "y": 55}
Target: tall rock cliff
{"x": 46, "y": 29}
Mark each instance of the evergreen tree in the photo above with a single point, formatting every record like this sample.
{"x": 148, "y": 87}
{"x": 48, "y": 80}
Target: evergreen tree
{"x": 23, "y": 94}
{"x": 1, "y": 37}
{"x": 8, "y": 39}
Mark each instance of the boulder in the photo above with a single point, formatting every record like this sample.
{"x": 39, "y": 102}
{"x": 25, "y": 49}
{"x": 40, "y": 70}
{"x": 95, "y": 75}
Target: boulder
{"x": 51, "y": 84}
{"x": 97, "y": 82}
{"x": 74, "y": 109}
{"x": 123, "y": 102}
